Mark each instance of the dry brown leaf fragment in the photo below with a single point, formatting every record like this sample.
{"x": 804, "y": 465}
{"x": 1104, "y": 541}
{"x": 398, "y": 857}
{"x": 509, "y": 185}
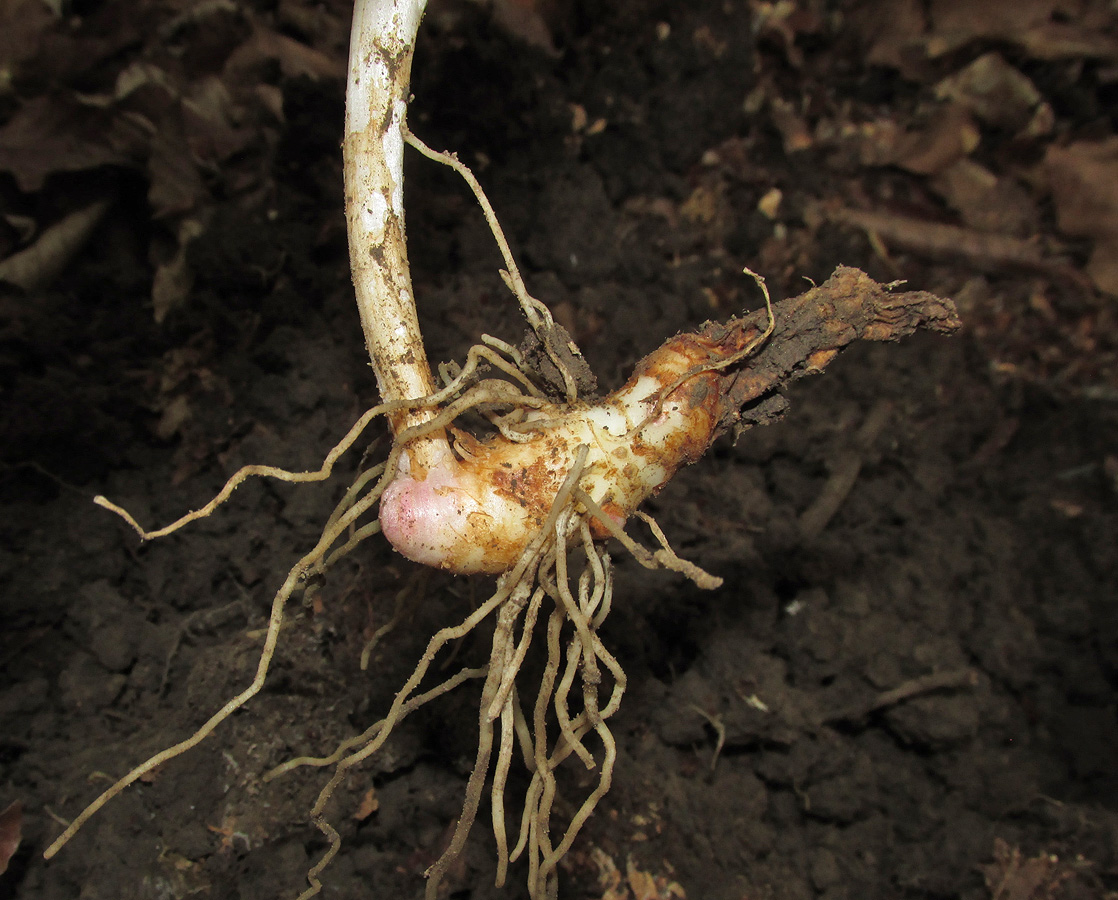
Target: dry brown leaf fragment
{"x": 895, "y": 39}
{"x": 609, "y": 875}
{"x": 326, "y": 25}
{"x": 906, "y": 34}
{"x": 175, "y": 414}
{"x": 636, "y": 883}
{"x": 958, "y": 22}
{"x": 175, "y": 185}
{"x": 155, "y": 87}
{"x": 1012, "y": 876}
{"x": 949, "y": 135}
{"x": 940, "y": 240}
{"x": 996, "y": 92}
{"x": 295, "y": 59}
{"x": 1102, "y": 265}
{"x": 1063, "y": 40}
{"x": 784, "y": 21}
{"x": 579, "y": 118}
{"x": 1045, "y": 29}
{"x": 646, "y": 886}
{"x": 792, "y": 127}
{"x": 210, "y": 117}
{"x": 51, "y": 134}
{"x": 526, "y": 20}
{"x": 43, "y": 261}
{"x": 11, "y": 833}
{"x": 641, "y": 883}
{"x": 1083, "y": 178}
{"x": 985, "y": 201}
{"x": 23, "y": 23}
{"x": 704, "y": 204}
{"x": 934, "y": 144}
{"x": 769, "y": 204}
{"x": 174, "y": 278}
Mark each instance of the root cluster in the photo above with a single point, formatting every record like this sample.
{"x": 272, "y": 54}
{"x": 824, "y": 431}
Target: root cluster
{"x": 581, "y": 685}
{"x": 574, "y": 653}
{"x": 541, "y": 594}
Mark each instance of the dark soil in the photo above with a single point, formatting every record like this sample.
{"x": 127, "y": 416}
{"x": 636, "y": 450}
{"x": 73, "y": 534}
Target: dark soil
{"x": 765, "y": 750}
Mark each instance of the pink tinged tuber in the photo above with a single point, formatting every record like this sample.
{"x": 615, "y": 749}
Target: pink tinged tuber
{"x": 475, "y": 511}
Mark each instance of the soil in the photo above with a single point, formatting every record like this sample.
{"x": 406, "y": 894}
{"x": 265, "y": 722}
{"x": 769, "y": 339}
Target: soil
{"x": 907, "y": 687}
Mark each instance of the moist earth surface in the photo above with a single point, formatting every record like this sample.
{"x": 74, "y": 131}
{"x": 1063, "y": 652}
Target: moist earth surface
{"x": 906, "y": 686}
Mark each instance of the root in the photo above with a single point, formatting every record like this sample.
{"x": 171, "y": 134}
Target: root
{"x": 726, "y": 360}
{"x": 254, "y": 471}
{"x": 313, "y": 563}
{"x": 356, "y": 502}
{"x": 274, "y": 623}
{"x": 557, "y": 344}
{"x": 581, "y": 604}
{"x": 489, "y": 391}
{"x": 415, "y": 588}
{"x": 800, "y": 337}
{"x": 700, "y": 390}
{"x": 664, "y": 558}
{"x": 375, "y": 729}
{"x": 539, "y": 496}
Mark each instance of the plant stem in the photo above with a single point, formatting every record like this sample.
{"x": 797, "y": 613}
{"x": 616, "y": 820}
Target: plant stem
{"x": 381, "y": 46}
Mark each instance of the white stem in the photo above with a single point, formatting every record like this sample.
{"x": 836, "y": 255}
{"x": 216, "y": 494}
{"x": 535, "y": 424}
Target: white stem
{"x": 380, "y": 55}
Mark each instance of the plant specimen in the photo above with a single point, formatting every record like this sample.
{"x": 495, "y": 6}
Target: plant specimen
{"x": 533, "y": 501}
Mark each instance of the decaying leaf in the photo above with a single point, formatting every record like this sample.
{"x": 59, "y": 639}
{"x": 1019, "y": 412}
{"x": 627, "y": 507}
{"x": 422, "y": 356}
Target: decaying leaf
{"x": 176, "y": 186}
{"x": 1013, "y": 876}
{"x": 999, "y": 95}
{"x": 43, "y": 261}
{"x": 896, "y": 39}
{"x": 907, "y": 33}
{"x": 987, "y": 202}
{"x": 945, "y": 241}
{"x": 22, "y": 26}
{"x": 646, "y": 886}
{"x": 957, "y": 22}
{"x": 61, "y": 134}
{"x": 949, "y": 135}
{"x": 636, "y": 883}
{"x": 175, "y": 278}
{"x": 196, "y": 124}
{"x": 791, "y": 125}
{"x": 11, "y": 828}
{"x": 183, "y": 877}
{"x": 946, "y": 135}
{"x": 1084, "y": 181}
{"x": 294, "y": 58}
{"x": 525, "y": 19}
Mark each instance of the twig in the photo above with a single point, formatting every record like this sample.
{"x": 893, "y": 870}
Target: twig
{"x": 981, "y": 248}
{"x": 844, "y": 473}
{"x": 719, "y": 732}
{"x": 925, "y": 684}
